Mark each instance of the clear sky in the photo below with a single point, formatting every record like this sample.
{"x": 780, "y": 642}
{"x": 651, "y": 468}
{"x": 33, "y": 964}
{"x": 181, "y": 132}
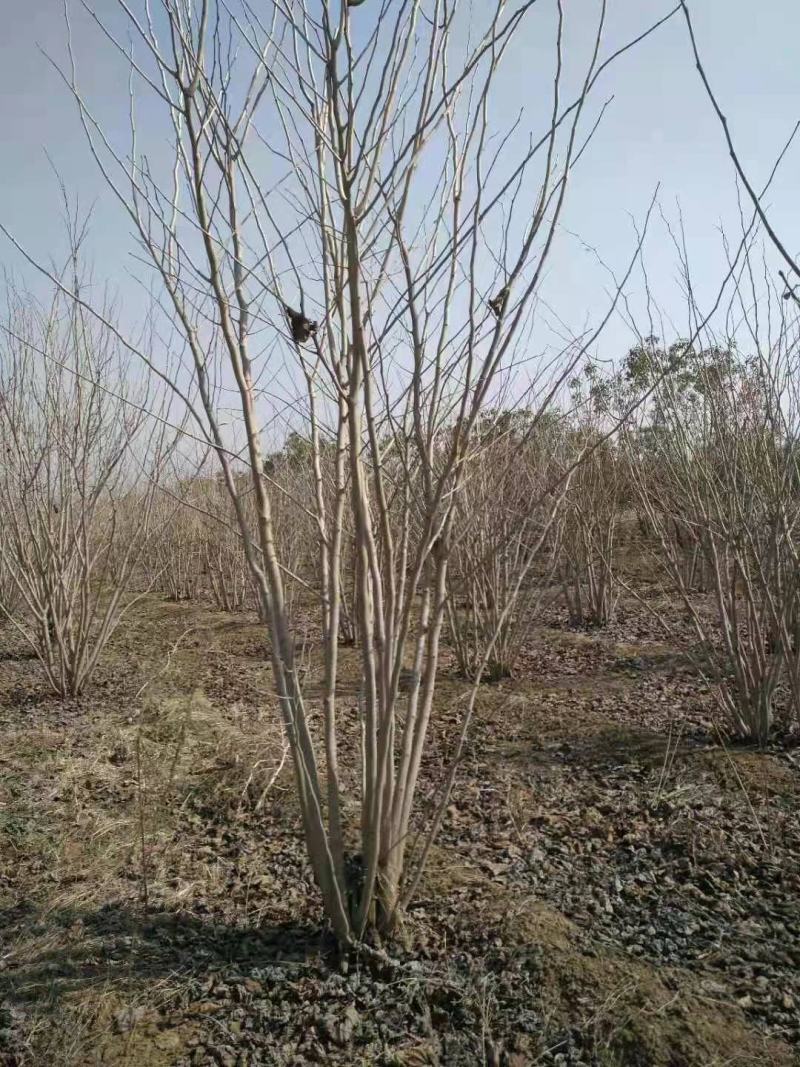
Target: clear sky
{"x": 659, "y": 128}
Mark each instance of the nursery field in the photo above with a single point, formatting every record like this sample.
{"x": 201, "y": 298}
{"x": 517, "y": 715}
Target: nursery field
{"x": 399, "y": 534}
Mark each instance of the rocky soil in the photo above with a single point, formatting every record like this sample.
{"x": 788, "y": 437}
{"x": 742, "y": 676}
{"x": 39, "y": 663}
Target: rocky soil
{"x": 614, "y": 884}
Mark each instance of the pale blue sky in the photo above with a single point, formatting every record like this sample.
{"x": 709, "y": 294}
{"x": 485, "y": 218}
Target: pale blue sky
{"x": 659, "y": 129}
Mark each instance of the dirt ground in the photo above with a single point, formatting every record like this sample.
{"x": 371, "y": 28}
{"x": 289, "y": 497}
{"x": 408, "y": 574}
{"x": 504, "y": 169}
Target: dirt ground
{"x": 614, "y": 885}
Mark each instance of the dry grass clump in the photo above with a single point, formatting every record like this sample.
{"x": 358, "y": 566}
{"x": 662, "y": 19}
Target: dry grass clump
{"x": 184, "y": 745}
{"x": 101, "y": 817}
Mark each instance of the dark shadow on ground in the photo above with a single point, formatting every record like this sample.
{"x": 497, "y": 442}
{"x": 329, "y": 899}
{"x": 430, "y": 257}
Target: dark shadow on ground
{"x": 80, "y": 949}
{"x": 24, "y": 697}
{"x": 615, "y": 746}
{"x": 16, "y": 655}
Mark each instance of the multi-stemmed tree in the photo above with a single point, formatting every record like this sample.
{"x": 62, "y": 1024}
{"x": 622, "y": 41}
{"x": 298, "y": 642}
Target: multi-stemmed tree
{"x": 345, "y": 231}
{"x": 80, "y": 460}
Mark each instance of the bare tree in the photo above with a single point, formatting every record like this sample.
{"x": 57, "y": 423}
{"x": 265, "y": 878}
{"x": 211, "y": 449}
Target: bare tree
{"x": 224, "y": 563}
{"x": 341, "y": 226}
{"x": 593, "y": 506}
{"x": 716, "y": 464}
{"x": 176, "y": 562}
{"x": 77, "y": 446}
{"x": 505, "y": 541}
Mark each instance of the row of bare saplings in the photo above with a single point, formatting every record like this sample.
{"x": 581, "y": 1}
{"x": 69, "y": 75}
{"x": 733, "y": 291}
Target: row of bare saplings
{"x": 677, "y": 476}
{"x": 691, "y": 451}
{"x": 103, "y": 498}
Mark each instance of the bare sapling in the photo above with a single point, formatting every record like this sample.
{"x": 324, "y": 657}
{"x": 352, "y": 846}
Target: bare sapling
{"x": 225, "y": 568}
{"x": 715, "y": 463}
{"x": 593, "y": 508}
{"x": 76, "y": 450}
{"x": 776, "y": 344}
{"x": 503, "y": 559}
{"x": 343, "y": 233}
{"x": 176, "y": 558}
